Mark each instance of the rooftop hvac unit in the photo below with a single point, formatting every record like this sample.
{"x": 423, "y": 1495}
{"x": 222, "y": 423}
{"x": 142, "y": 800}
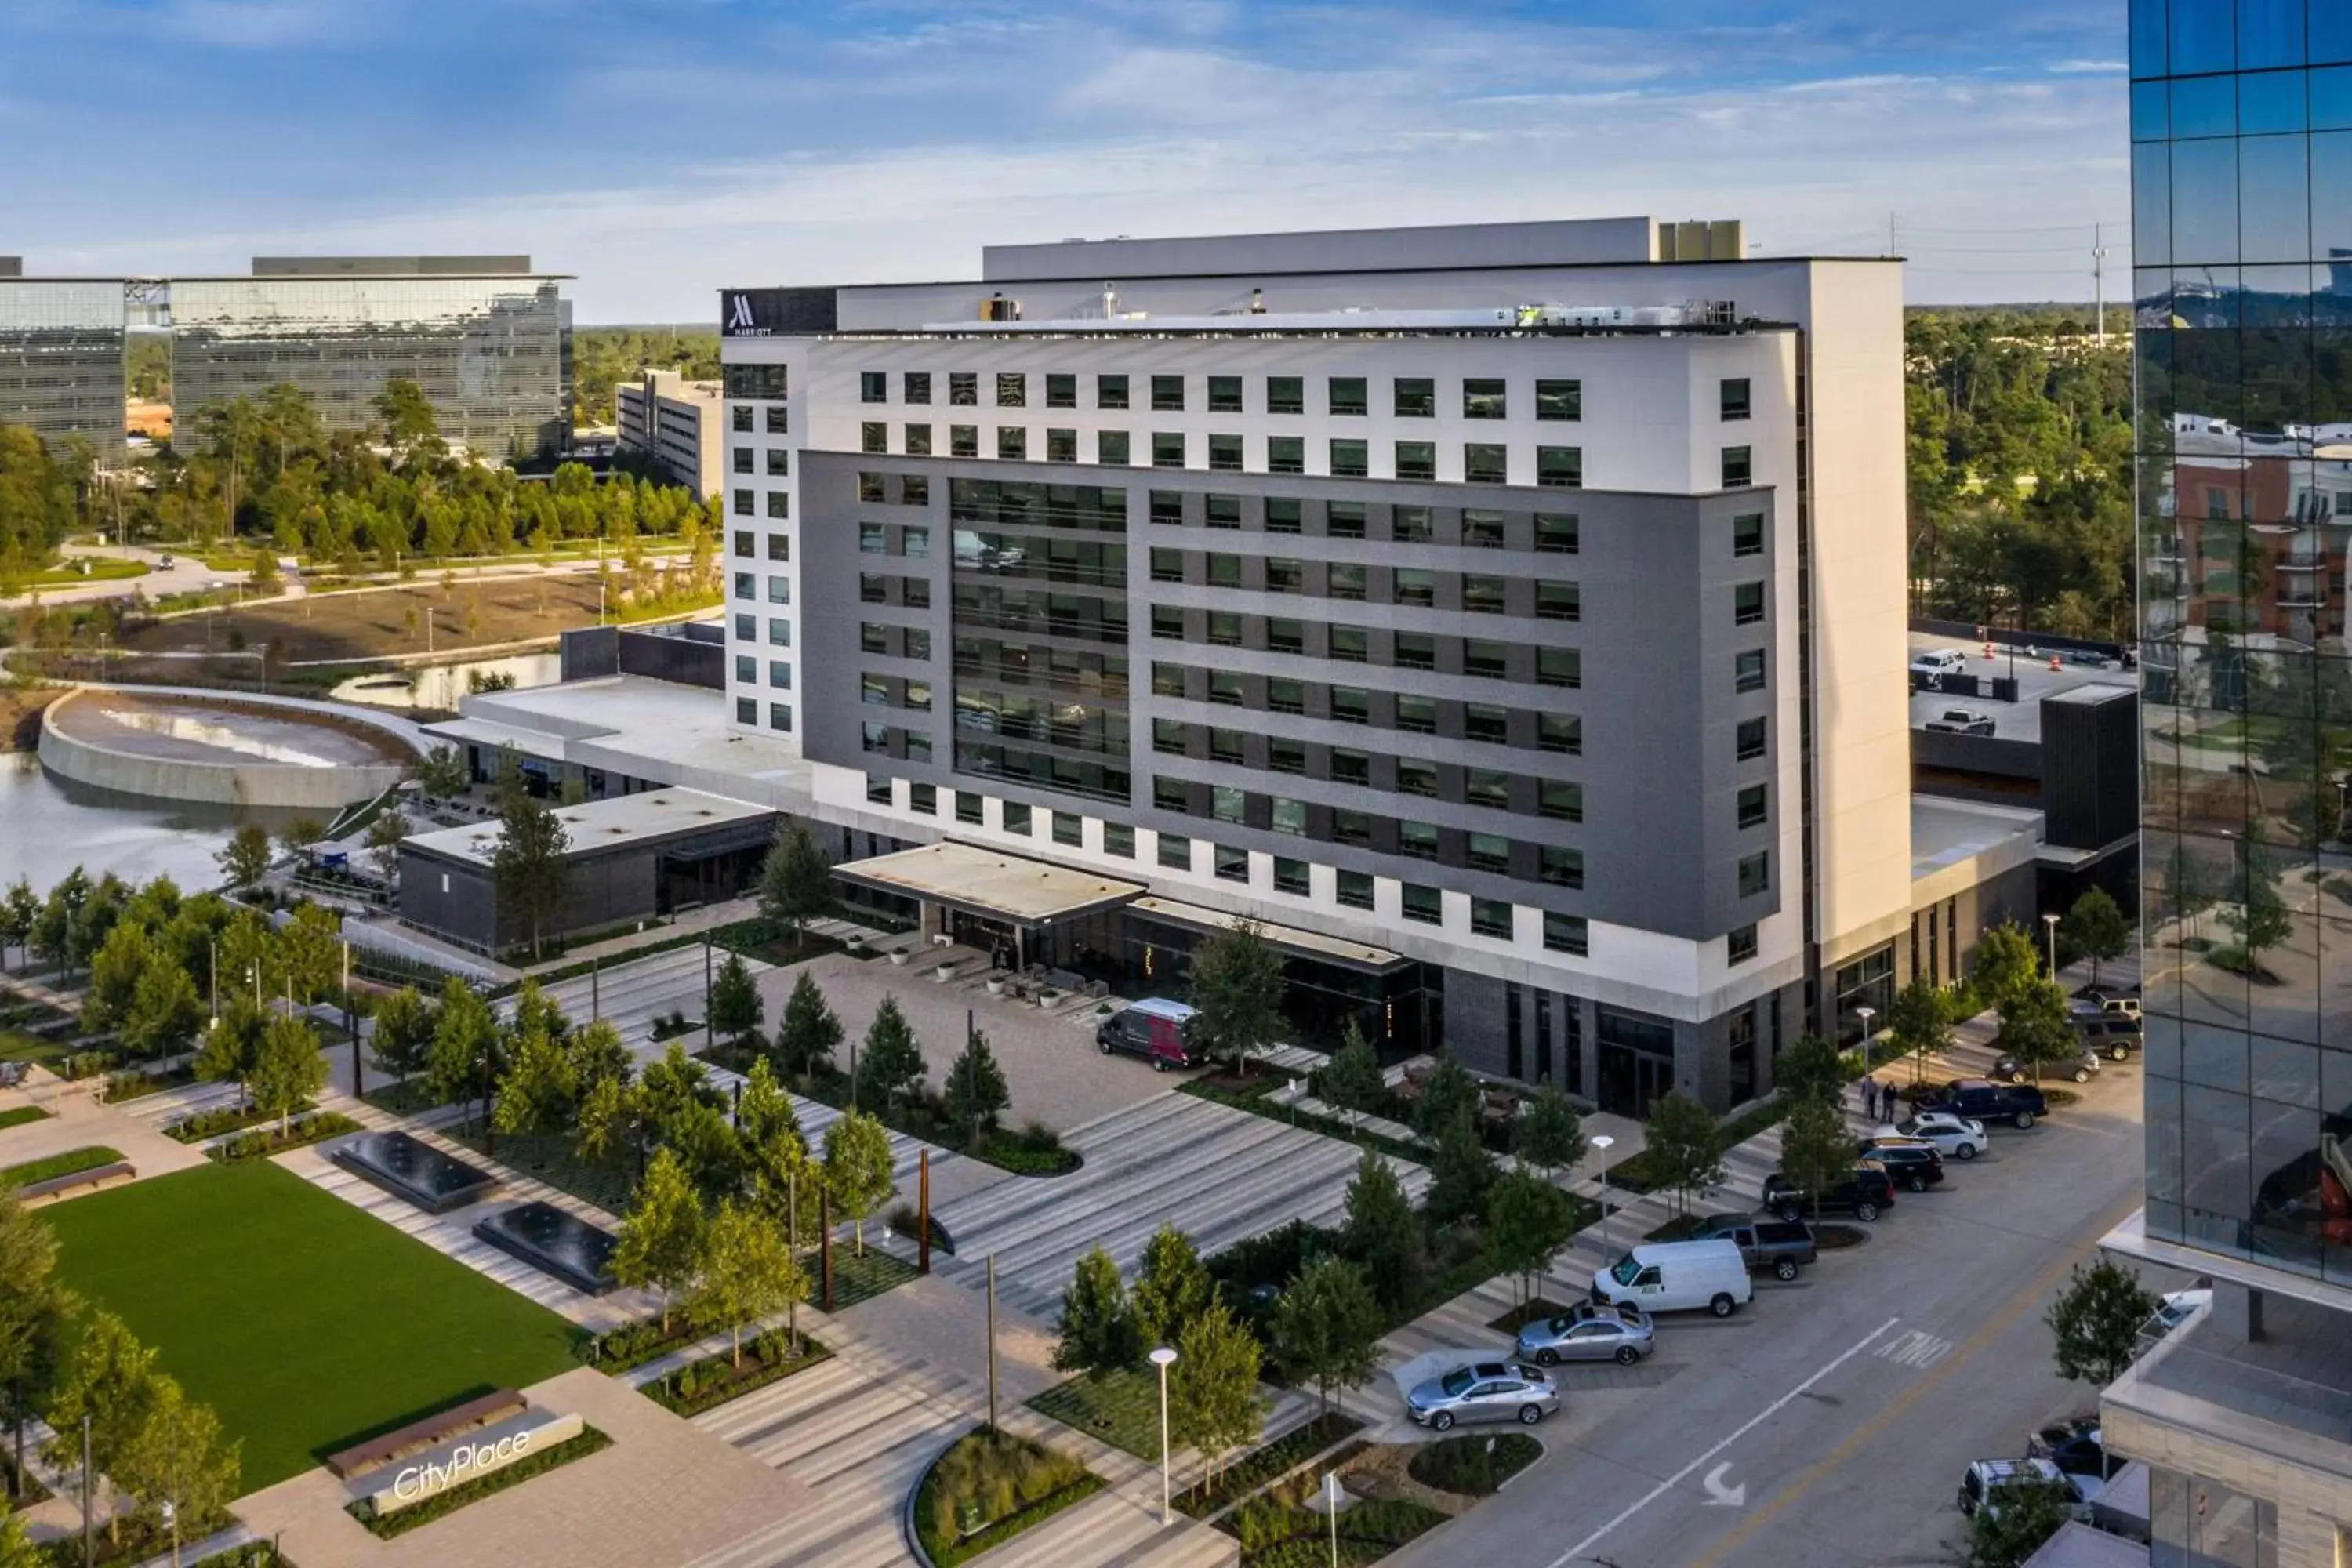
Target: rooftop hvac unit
{"x": 997, "y": 308}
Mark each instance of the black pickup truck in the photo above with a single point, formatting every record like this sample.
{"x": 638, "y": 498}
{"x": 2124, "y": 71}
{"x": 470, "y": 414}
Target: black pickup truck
{"x": 1778, "y": 1248}
{"x": 1979, "y": 1099}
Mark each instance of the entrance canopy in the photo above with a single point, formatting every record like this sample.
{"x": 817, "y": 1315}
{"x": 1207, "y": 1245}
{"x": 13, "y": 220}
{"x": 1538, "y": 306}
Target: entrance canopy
{"x": 990, "y": 883}
{"x": 1312, "y": 945}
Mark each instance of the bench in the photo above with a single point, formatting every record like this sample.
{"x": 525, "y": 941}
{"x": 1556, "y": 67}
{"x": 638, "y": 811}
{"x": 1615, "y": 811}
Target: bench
{"x": 57, "y": 1187}
{"x": 434, "y": 1430}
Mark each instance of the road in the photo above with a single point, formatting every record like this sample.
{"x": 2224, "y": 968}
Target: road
{"x": 1832, "y": 1420}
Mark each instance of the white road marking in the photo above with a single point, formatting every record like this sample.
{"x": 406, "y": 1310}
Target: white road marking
{"x": 1914, "y": 1348}
{"x": 1662, "y": 1488}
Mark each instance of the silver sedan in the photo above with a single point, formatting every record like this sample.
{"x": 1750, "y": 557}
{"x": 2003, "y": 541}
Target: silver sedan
{"x": 1589, "y": 1332}
{"x": 1486, "y": 1391}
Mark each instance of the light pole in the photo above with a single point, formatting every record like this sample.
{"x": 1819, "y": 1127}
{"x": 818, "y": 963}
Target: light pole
{"x": 1162, "y": 1358}
{"x": 2051, "y": 922}
{"x": 1603, "y": 1142}
{"x": 1332, "y": 1505}
{"x": 1865, "y": 1015}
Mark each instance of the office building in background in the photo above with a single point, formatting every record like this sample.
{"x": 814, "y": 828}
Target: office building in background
{"x": 61, "y": 358}
{"x": 2242, "y": 167}
{"x": 679, "y": 424}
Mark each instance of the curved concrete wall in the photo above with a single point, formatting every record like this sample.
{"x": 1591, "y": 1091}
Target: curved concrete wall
{"x": 222, "y": 784}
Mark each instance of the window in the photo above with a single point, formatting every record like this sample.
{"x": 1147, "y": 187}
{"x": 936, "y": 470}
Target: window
{"x": 1224, "y": 395}
{"x": 1166, "y": 566}
{"x": 1061, "y": 390}
{"x": 747, "y": 585}
{"x": 1351, "y": 705}
{"x": 780, "y": 459}
{"x": 1118, "y": 838}
{"x": 779, "y": 506}
{"x": 1172, "y": 737}
{"x": 1415, "y": 776}
{"x": 1738, "y": 470}
{"x": 1016, "y": 817}
{"x": 1167, "y": 622}
{"x": 780, "y": 547}
{"x": 1414, "y": 586}
{"x": 1285, "y": 695}
{"x": 1424, "y": 905}
{"x": 1560, "y": 601}
{"x": 1486, "y": 787}
{"x": 1750, "y": 739}
{"x": 1492, "y": 917}
{"x": 780, "y": 717}
{"x": 873, "y": 436}
{"x": 969, "y": 807}
{"x": 1168, "y": 681}
{"x": 1483, "y": 529}
{"x": 1345, "y": 581}
{"x": 1734, "y": 397}
{"x": 964, "y": 389}
{"x": 1111, "y": 449}
{"x": 1561, "y": 866}
{"x": 1351, "y": 826}
{"x": 1286, "y": 636}
{"x": 1110, "y": 392}
{"x": 1488, "y": 852}
{"x": 1225, "y": 627}
{"x": 1416, "y": 460}
{"x": 1417, "y": 715}
{"x": 779, "y": 422}
{"x": 919, "y": 440}
{"x": 1175, "y": 852}
{"x": 1012, "y": 442}
{"x": 779, "y": 635}
{"x": 1344, "y": 519}
{"x": 743, "y": 504}
{"x": 1483, "y": 399}
{"x": 1069, "y": 828}
{"x": 1415, "y": 650}
{"x": 1225, "y": 453}
{"x": 1559, "y": 800}
{"x": 1347, "y": 395}
{"x": 915, "y": 386}
{"x": 915, "y": 593}
{"x": 1409, "y": 525}
{"x": 1168, "y": 449}
{"x": 1747, "y": 534}
{"x": 1284, "y": 576}
{"x": 1285, "y": 454}
{"x": 873, "y": 539}
{"x": 918, "y": 643}
{"x": 1351, "y": 645}
{"x": 923, "y": 799}
{"x": 1416, "y": 398}
{"x": 743, "y": 459}
{"x": 1485, "y": 463}
{"x": 1167, "y": 394}
{"x": 779, "y": 675}
{"x": 1747, "y": 603}
{"x": 1562, "y": 733}
{"x": 1286, "y": 395}
{"x": 1748, "y": 670}
{"x": 1567, "y": 933}
{"x": 914, "y": 489}
{"x": 873, "y": 386}
{"x": 747, "y": 626}
{"x": 1354, "y": 890}
{"x": 1558, "y": 533}
{"x": 878, "y": 789}
{"x": 743, "y": 417}
{"x": 1225, "y": 691}
{"x": 1285, "y": 756}
{"x": 1486, "y": 723}
{"x": 1755, "y": 873}
{"x": 1290, "y": 876}
{"x": 1282, "y": 514}
{"x": 744, "y": 544}
{"x": 1560, "y": 468}
{"x": 1350, "y": 460}
{"x": 747, "y": 669}
{"x": 1483, "y": 596}
{"x": 1751, "y": 807}
{"x": 1351, "y": 768}
{"x": 1740, "y": 945}
{"x": 963, "y": 440}
{"x": 1231, "y": 865}
{"x": 873, "y": 638}
{"x": 1486, "y": 660}
{"x": 1559, "y": 400}
{"x": 1061, "y": 445}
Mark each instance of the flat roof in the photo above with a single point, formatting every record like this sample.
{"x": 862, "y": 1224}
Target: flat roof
{"x": 1945, "y": 832}
{"x": 2021, "y": 720}
{"x": 990, "y": 882}
{"x": 2077, "y": 1545}
{"x": 1313, "y": 941}
{"x": 637, "y": 725}
{"x": 603, "y": 824}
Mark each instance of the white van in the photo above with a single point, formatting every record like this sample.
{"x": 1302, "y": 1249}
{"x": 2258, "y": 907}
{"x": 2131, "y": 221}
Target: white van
{"x": 1678, "y": 1275}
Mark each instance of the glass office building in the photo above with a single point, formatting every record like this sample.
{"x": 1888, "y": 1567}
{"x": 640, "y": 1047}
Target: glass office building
{"x": 492, "y": 353}
{"x": 61, "y": 361}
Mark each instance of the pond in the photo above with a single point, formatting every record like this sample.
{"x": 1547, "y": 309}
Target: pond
{"x": 54, "y": 825}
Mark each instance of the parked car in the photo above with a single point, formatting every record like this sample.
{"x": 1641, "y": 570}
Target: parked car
{"x": 1159, "y": 1030}
{"x": 1962, "y": 722}
{"x": 1955, "y": 1137}
{"x": 164, "y": 562}
{"x": 2090, "y": 1000}
{"x": 2111, "y": 1035}
{"x": 2082, "y": 1068}
{"x": 2077, "y": 1447}
{"x": 1590, "y": 1331}
{"x": 2019, "y": 1105}
{"x": 2172, "y": 1310}
{"x": 1864, "y": 1193}
{"x": 1676, "y": 1277}
{"x": 1484, "y": 1391}
{"x": 14, "y": 1073}
{"x": 1936, "y": 663}
{"x": 1981, "y": 1487}
{"x": 1915, "y": 1162}
{"x": 1775, "y": 1246}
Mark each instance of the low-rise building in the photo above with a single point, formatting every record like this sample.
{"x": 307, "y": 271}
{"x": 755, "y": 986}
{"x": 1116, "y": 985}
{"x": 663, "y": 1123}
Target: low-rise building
{"x": 677, "y": 423}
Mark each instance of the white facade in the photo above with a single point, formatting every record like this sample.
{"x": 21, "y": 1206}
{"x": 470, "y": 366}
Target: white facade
{"x": 679, "y": 423}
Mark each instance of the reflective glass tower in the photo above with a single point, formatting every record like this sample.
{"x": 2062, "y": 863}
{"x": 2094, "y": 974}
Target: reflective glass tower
{"x": 61, "y": 371}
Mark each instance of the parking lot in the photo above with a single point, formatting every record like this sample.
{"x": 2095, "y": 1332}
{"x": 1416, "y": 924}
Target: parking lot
{"x": 2021, "y": 720}
{"x": 1831, "y": 1420}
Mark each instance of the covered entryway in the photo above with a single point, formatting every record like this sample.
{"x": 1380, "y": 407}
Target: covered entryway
{"x": 1031, "y": 913}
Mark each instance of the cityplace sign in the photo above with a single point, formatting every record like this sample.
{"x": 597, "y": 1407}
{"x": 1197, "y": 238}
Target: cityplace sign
{"x": 467, "y": 1458}
{"x": 467, "y": 1461}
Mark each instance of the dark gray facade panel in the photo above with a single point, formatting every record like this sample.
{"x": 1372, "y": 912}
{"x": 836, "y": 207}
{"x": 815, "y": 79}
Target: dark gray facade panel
{"x": 2090, "y": 770}
{"x": 589, "y": 652}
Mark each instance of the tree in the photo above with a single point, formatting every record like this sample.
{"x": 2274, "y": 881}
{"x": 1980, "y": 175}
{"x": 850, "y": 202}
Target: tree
{"x": 736, "y": 1009}
{"x": 1684, "y": 1145}
{"x": 2096, "y": 1321}
{"x": 1816, "y": 1150}
{"x": 441, "y": 773}
{"x": 287, "y": 1070}
{"x": 1237, "y": 986}
{"x": 1447, "y": 1095}
{"x": 115, "y": 970}
{"x": 176, "y": 1465}
{"x": 795, "y": 879}
{"x": 2008, "y": 1533}
{"x": 1919, "y": 1020}
{"x": 402, "y": 1036}
{"x": 673, "y": 1086}
{"x": 245, "y": 860}
{"x": 1382, "y": 1230}
{"x": 111, "y": 1379}
{"x": 661, "y": 1244}
{"x": 1527, "y": 1221}
{"x": 2006, "y": 958}
{"x": 2263, "y": 921}
{"x": 858, "y": 1171}
{"x": 1549, "y": 1135}
{"x": 775, "y": 1160}
{"x": 383, "y": 838}
{"x": 406, "y": 416}
{"x": 54, "y": 928}
{"x": 748, "y": 1272}
{"x": 233, "y": 1045}
{"x": 1814, "y": 1070}
{"x": 1213, "y": 1401}
{"x": 528, "y": 867}
{"x": 975, "y": 1093}
{"x": 16, "y": 1548}
{"x": 1326, "y": 1327}
{"x": 463, "y": 1057}
{"x": 1352, "y": 1082}
{"x": 1172, "y": 1287}
{"x": 1097, "y": 1332}
{"x": 611, "y": 1114}
{"x": 164, "y": 1014}
{"x": 300, "y": 833}
{"x": 809, "y": 1032}
{"x": 540, "y": 1091}
{"x": 1460, "y": 1171}
{"x": 2035, "y": 1027}
{"x": 18, "y": 911}
{"x": 2095, "y": 928}
{"x": 310, "y": 950}
{"x": 35, "y": 1317}
{"x": 890, "y": 1064}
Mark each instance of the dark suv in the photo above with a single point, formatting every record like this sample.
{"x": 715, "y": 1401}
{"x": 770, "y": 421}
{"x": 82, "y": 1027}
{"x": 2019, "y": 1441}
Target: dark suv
{"x": 2019, "y": 1105}
{"x": 1917, "y": 1166}
{"x": 2111, "y": 1035}
{"x": 1862, "y": 1193}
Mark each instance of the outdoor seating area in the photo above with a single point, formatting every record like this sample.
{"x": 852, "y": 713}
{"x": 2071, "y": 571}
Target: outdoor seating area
{"x": 112, "y": 1174}
{"x": 418, "y": 1436}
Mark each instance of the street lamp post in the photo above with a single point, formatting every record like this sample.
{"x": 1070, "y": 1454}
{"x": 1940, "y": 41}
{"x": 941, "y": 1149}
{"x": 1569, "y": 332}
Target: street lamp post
{"x": 2051, "y": 922}
{"x": 1603, "y": 1142}
{"x": 1865, "y": 1015}
{"x": 1162, "y": 1357}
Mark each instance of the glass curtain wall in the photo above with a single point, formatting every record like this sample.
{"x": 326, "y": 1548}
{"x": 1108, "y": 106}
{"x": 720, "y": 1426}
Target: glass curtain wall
{"x": 61, "y": 370}
{"x": 2242, "y": 168}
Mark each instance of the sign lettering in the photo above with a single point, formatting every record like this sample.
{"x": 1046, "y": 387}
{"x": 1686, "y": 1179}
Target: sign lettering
{"x": 468, "y": 1459}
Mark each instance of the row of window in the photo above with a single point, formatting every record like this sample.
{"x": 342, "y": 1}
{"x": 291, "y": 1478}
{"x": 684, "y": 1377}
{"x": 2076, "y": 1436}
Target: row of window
{"x": 1475, "y": 591}
{"x": 746, "y": 546}
{"x": 780, "y": 714}
{"x": 1559, "y": 800}
{"x": 1482, "y": 463}
{"x": 780, "y": 461}
{"x": 1486, "y": 723}
{"x": 1409, "y": 396}
{"x": 777, "y": 423}
{"x": 780, "y": 630}
{"x": 779, "y": 504}
{"x": 747, "y": 672}
{"x": 1479, "y": 657}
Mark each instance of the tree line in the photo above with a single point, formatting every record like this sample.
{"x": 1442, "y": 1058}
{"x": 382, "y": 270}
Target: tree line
{"x": 601, "y": 357}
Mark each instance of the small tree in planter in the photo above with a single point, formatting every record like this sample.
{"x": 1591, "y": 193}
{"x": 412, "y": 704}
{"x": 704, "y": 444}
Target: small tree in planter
{"x": 890, "y": 1064}
{"x": 1237, "y": 986}
{"x": 736, "y": 1010}
{"x": 808, "y": 1033}
{"x": 1684, "y": 1146}
{"x": 748, "y": 1272}
{"x": 2096, "y": 927}
{"x": 1352, "y": 1082}
{"x": 1549, "y": 1135}
{"x": 1097, "y": 1327}
{"x": 975, "y": 1093}
{"x": 662, "y": 1242}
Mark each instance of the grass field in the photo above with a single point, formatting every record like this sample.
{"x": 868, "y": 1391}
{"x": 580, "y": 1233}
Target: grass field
{"x": 304, "y": 1322}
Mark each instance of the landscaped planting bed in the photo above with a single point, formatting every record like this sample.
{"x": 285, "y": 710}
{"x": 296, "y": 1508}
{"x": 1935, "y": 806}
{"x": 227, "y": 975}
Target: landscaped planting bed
{"x": 713, "y": 1381}
{"x": 1251, "y": 1095}
{"x": 72, "y": 1162}
{"x": 1278, "y": 1530}
{"x": 441, "y": 1505}
{"x": 1268, "y": 1463}
{"x": 1034, "y": 1150}
{"x": 1121, "y": 1408}
{"x": 264, "y": 1141}
{"x": 548, "y": 1157}
{"x": 856, "y": 1279}
{"x": 1475, "y": 1466}
{"x": 140, "y": 1082}
{"x": 207, "y": 1124}
{"x": 21, "y": 1115}
{"x": 988, "y": 1488}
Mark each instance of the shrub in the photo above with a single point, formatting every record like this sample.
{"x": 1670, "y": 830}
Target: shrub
{"x": 264, "y": 1141}
{"x": 988, "y": 1487}
{"x": 1473, "y": 1467}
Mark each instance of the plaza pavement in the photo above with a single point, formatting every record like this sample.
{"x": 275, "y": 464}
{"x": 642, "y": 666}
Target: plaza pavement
{"x": 78, "y": 1120}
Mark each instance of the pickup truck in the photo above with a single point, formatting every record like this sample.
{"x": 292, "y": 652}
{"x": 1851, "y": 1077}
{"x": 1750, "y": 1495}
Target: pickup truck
{"x": 1776, "y": 1247}
{"x": 1962, "y": 722}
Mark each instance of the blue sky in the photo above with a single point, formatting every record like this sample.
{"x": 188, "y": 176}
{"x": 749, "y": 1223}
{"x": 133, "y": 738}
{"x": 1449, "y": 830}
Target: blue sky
{"x": 661, "y": 152}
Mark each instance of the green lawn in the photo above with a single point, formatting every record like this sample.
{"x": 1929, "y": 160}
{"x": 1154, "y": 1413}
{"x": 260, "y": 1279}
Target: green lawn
{"x": 1121, "y": 1408}
{"x": 305, "y": 1323}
